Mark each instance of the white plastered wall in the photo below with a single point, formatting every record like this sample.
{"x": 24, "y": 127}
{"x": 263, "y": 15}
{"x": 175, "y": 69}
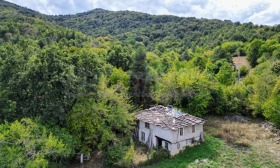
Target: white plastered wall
{"x": 172, "y": 136}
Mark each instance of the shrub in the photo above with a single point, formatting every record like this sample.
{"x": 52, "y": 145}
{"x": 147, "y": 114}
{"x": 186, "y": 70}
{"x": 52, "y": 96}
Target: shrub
{"x": 276, "y": 67}
{"x": 26, "y": 143}
{"x": 159, "y": 154}
{"x": 114, "y": 154}
{"x": 126, "y": 161}
{"x": 243, "y": 71}
{"x": 120, "y": 155}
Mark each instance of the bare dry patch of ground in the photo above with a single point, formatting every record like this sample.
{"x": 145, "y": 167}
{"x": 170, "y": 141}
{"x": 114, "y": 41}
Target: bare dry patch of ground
{"x": 242, "y": 60}
{"x": 140, "y": 155}
{"x": 245, "y": 134}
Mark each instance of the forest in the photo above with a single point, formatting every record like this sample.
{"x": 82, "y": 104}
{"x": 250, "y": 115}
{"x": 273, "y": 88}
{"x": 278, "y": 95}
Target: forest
{"x": 72, "y": 83}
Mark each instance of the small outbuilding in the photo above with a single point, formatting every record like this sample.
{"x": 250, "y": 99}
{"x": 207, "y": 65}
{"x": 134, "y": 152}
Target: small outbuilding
{"x": 169, "y": 128}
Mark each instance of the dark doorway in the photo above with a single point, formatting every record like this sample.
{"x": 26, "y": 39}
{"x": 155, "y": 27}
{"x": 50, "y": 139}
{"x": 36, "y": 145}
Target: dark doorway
{"x": 159, "y": 141}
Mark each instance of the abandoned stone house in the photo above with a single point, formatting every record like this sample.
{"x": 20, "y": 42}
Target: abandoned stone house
{"x": 169, "y": 128}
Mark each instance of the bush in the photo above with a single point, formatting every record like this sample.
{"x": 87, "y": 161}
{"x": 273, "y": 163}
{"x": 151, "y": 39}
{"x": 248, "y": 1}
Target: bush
{"x": 243, "y": 71}
{"x": 120, "y": 155}
{"x": 126, "y": 161}
{"x": 114, "y": 154}
{"x": 276, "y": 67}
{"x": 159, "y": 154}
{"x": 26, "y": 143}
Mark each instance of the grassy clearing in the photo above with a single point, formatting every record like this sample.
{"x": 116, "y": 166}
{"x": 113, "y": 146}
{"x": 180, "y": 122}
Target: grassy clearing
{"x": 228, "y": 144}
{"x": 247, "y": 134}
{"x": 216, "y": 153}
{"x": 206, "y": 150}
{"x": 236, "y": 132}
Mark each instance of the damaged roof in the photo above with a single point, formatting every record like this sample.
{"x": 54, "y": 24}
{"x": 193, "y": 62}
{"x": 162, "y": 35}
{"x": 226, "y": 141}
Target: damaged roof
{"x": 168, "y": 117}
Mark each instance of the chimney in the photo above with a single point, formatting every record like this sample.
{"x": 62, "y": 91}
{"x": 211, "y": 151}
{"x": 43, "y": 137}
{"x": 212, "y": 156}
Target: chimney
{"x": 173, "y": 112}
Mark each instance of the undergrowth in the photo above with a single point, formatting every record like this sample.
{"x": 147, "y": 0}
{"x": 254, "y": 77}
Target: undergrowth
{"x": 215, "y": 153}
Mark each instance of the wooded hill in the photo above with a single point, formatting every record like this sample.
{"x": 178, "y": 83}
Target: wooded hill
{"x": 149, "y": 29}
{"x": 71, "y": 84}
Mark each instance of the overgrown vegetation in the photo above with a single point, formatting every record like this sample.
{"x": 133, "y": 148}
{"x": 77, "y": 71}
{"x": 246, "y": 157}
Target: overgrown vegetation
{"x": 216, "y": 153}
{"x": 228, "y": 144}
{"x": 88, "y": 87}
{"x": 28, "y": 143}
{"x": 120, "y": 155}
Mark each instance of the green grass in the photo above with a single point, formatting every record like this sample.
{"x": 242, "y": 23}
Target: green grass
{"x": 218, "y": 154}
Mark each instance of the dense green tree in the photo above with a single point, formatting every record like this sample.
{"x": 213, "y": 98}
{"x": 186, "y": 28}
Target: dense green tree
{"x": 88, "y": 68}
{"x": 11, "y": 67}
{"x": 276, "y": 67}
{"x": 46, "y": 89}
{"x": 139, "y": 79}
{"x": 185, "y": 56}
{"x": 45, "y": 83}
{"x": 271, "y": 106}
{"x": 186, "y": 88}
{"x": 235, "y": 99}
{"x": 243, "y": 71}
{"x": 233, "y": 47}
{"x": 26, "y": 143}
{"x": 119, "y": 77}
{"x": 253, "y": 52}
{"x": 51, "y": 85}
{"x": 217, "y": 101}
{"x": 97, "y": 121}
{"x": 221, "y": 53}
{"x": 215, "y": 67}
{"x": 200, "y": 62}
{"x": 261, "y": 82}
{"x": 119, "y": 57}
{"x": 225, "y": 75}
{"x": 276, "y": 53}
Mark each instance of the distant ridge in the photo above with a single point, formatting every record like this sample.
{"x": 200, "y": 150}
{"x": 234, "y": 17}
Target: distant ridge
{"x": 130, "y": 26}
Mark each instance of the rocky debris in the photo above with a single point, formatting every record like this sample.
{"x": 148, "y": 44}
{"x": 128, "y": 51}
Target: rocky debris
{"x": 276, "y": 131}
{"x": 266, "y": 126}
{"x": 270, "y": 127}
{"x": 236, "y": 118}
{"x": 277, "y": 140}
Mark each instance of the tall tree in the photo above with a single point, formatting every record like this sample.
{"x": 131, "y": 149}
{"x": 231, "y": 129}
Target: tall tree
{"x": 119, "y": 57}
{"x": 139, "y": 79}
{"x": 98, "y": 120}
{"x": 225, "y": 75}
{"x": 253, "y": 52}
{"x": 272, "y": 105}
{"x": 186, "y": 88}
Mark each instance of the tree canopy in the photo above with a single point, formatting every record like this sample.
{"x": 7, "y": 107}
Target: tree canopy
{"x": 72, "y": 83}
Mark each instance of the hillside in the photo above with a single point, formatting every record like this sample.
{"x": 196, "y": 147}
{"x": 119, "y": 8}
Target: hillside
{"x": 188, "y": 32}
{"x": 129, "y": 27}
{"x": 72, "y": 84}
{"x": 7, "y": 6}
